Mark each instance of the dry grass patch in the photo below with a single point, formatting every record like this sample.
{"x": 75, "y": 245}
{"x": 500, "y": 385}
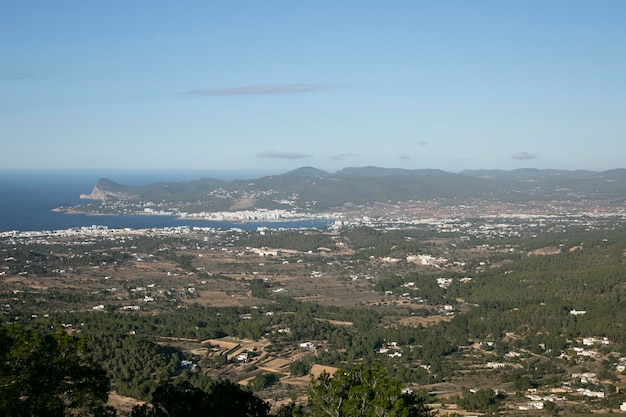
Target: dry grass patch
{"x": 121, "y": 403}
{"x": 218, "y": 299}
{"x": 317, "y": 370}
{"x": 226, "y": 343}
{"x": 548, "y": 250}
{"x": 276, "y": 364}
{"x": 424, "y": 321}
{"x": 336, "y": 322}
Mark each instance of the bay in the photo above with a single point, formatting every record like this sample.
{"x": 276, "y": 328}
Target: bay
{"x": 27, "y": 199}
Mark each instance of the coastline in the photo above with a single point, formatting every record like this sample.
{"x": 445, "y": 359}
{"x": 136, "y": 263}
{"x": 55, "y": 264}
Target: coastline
{"x": 64, "y": 210}
{"x": 40, "y": 200}
{"x": 241, "y": 217}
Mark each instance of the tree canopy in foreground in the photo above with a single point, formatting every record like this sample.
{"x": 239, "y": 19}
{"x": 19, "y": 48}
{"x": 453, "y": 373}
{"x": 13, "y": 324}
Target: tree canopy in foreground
{"x": 49, "y": 375}
{"x": 364, "y": 392}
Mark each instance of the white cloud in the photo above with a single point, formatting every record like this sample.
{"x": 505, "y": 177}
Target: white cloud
{"x": 344, "y": 156}
{"x": 283, "y": 155}
{"x": 257, "y": 90}
{"x": 16, "y": 76}
{"x": 523, "y": 156}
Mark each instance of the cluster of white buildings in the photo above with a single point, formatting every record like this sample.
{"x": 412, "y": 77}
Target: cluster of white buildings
{"x": 95, "y": 231}
{"x": 254, "y": 215}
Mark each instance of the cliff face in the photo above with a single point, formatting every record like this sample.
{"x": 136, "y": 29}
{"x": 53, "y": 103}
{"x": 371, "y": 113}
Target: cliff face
{"x": 107, "y": 190}
{"x": 103, "y": 195}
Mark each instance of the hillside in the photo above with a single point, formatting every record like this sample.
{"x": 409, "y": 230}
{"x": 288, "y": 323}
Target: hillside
{"x": 458, "y": 317}
{"x": 312, "y": 189}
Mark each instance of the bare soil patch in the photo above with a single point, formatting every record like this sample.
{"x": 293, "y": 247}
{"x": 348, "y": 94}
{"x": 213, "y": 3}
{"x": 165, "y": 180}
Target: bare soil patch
{"x": 549, "y": 250}
{"x": 317, "y": 370}
{"x": 336, "y": 322}
{"x": 277, "y": 364}
{"x": 424, "y": 321}
{"x": 121, "y": 403}
{"x": 218, "y": 299}
{"x": 226, "y": 343}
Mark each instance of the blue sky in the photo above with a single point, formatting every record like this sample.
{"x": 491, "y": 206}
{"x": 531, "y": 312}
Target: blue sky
{"x": 276, "y": 85}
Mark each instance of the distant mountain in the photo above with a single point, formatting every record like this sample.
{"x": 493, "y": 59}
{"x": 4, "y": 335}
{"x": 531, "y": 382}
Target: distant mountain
{"x": 615, "y": 173}
{"x": 377, "y": 172}
{"x": 314, "y": 189}
{"x": 550, "y": 182}
{"x": 531, "y": 174}
{"x": 308, "y": 172}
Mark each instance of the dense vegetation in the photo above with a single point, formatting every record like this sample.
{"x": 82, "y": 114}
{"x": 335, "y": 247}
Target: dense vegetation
{"x": 49, "y": 375}
{"x": 221, "y": 398}
{"x": 363, "y": 392}
{"x": 521, "y": 303}
{"x": 134, "y": 364}
{"x": 53, "y": 374}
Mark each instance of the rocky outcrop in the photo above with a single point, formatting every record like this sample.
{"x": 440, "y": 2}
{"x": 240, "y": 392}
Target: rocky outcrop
{"x": 107, "y": 190}
{"x": 103, "y": 195}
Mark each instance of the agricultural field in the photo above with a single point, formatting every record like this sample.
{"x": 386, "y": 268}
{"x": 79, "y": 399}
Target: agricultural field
{"x": 475, "y": 324}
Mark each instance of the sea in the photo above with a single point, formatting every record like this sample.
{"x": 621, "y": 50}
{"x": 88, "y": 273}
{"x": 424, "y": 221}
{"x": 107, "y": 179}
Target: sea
{"x": 27, "y": 198}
